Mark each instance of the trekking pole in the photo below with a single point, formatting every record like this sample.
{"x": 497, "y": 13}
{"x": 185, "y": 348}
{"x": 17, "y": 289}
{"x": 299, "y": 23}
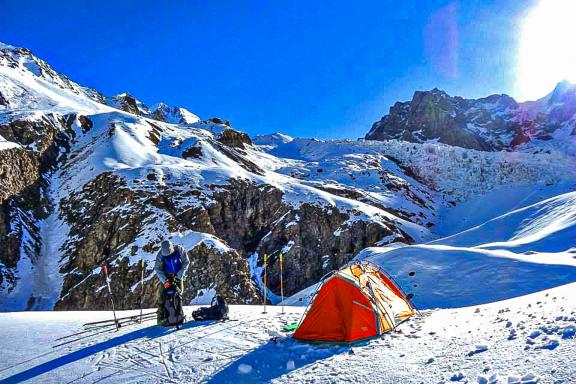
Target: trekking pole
{"x": 265, "y": 288}
{"x": 105, "y": 269}
{"x": 281, "y": 284}
{"x": 142, "y": 288}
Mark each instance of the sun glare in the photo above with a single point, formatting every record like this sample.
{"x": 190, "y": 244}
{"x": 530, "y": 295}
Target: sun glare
{"x": 547, "y": 52}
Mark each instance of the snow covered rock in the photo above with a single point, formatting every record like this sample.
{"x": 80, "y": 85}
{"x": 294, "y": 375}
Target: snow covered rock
{"x": 174, "y": 115}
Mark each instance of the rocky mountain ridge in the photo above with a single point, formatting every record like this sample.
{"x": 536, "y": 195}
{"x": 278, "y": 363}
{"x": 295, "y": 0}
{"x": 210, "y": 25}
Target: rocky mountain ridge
{"x": 89, "y": 180}
{"x": 105, "y": 185}
{"x": 493, "y": 123}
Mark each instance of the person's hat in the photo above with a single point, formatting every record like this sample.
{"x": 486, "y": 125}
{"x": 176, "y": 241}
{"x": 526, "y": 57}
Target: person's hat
{"x": 167, "y": 248}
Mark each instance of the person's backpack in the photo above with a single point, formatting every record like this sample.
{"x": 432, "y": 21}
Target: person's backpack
{"x": 172, "y": 305}
{"x": 218, "y": 310}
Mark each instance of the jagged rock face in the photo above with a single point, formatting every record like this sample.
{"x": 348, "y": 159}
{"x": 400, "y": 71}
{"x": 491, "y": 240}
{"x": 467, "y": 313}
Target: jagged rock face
{"x": 242, "y": 214}
{"x": 233, "y": 138}
{"x": 3, "y": 101}
{"x": 174, "y": 115}
{"x": 23, "y": 187}
{"x": 493, "y": 123}
{"x": 106, "y": 218}
{"x": 19, "y": 194}
{"x": 484, "y": 124}
{"x": 19, "y": 169}
{"x": 315, "y": 241}
{"x": 254, "y": 218}
{"x": 227, "y": 273}
{"x": 130, "y": 104}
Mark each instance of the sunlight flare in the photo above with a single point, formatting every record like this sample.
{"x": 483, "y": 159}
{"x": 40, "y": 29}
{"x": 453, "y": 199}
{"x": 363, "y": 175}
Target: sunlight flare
{"x": 546, "y": 52}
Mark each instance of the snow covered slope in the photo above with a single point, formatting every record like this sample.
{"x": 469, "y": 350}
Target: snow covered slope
{"x": 112, "y": 178}
{"x": 523, "y": 251}
{"x": 523, "y": 340}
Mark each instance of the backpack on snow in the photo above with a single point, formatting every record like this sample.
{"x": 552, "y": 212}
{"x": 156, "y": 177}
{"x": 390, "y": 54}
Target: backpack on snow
{"x": 172, "y": 306}
{"x": 218, "y": 310}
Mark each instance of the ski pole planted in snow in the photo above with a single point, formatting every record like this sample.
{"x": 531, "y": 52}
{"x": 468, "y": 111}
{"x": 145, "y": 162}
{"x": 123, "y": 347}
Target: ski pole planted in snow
{"x": 105, "y": 269}
{"x": 281, "y": 284}
{"x": 141, "y": 288}
{"x": 265, "y": 288}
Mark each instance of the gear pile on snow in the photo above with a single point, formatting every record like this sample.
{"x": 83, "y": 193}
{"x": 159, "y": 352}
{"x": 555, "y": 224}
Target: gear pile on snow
{"x": 218, "y": 310}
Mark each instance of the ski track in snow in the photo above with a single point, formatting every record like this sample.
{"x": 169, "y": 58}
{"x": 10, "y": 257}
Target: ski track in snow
{"x": 530, "y": 339}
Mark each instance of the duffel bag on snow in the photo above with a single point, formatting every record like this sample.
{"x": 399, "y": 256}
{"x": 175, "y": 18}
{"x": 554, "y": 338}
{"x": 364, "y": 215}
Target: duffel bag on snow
{"x": 218, "y": 310}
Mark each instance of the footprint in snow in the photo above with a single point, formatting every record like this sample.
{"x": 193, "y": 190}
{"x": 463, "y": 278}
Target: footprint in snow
{"x": 478, "y": 349}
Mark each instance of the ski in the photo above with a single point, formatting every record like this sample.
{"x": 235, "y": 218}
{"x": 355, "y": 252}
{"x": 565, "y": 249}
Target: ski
{"x": 102, "y": 326}
{"x": 134, "y": 318}
{"x": 118, "y": 319}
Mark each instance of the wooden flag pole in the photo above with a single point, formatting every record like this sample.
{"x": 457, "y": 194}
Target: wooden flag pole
{"x": 265, "y": 287}
{"x": 281, "y": 284}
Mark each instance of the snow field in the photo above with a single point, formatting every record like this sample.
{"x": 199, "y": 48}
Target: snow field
{"x": 530, "y": 339}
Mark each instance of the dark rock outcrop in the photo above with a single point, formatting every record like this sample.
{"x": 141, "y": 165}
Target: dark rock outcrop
{"x": 492, "y": 123}
{"x": 23, "y": 200}
{"x": 233, "y": 138}
{"x": 483, "y": 124}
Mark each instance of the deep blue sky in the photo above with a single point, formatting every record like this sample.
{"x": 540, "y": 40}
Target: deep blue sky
{"x": 307, "y": 68}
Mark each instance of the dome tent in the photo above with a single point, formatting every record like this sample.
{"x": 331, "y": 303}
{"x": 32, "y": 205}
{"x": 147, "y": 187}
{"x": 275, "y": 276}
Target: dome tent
{"x": 357, "y": 302}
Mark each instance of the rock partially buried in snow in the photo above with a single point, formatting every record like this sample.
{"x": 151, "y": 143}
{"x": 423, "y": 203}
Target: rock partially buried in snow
{"x": 244, "y": 369}
{"x": 569, "y": 332}
{"x": 551, "y": 344}
{"x": 457, "y": 376}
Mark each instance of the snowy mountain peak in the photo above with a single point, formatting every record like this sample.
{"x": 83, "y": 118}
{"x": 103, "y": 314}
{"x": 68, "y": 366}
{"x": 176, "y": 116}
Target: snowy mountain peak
{"x": 272, "y": 140}
{"x": 21, "y": 61}
{"x": 129, "y": 103}
{"x": 174, "y": 115}
{"x": 563, "y": 93}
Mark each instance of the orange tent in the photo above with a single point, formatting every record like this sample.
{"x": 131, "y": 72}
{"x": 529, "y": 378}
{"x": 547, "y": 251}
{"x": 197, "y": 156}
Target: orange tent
{"x": 357, "y": 302}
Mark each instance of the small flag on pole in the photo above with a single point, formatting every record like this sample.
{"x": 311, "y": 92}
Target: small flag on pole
{"x": 265, "y": 286}
{"x": 281, "y": 284}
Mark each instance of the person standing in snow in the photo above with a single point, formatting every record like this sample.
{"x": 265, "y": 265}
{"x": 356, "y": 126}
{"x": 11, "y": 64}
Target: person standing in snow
{"x": 171, "y": 265}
